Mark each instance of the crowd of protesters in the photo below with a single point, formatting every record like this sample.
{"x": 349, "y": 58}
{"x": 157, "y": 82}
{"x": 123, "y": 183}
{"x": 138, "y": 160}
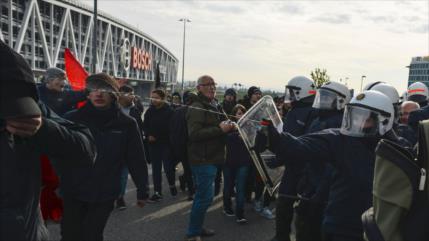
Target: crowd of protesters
{"x": 82, "y": 145}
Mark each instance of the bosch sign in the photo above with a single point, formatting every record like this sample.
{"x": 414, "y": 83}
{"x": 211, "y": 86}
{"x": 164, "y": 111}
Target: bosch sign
{"x": 141, "y": 59}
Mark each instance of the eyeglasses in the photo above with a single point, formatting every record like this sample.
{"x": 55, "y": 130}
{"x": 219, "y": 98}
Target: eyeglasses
{"x": 100, "y": 90}
{"x": 127, "y": 94}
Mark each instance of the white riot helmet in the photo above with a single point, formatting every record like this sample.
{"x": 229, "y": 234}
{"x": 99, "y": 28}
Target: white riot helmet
{"x": 332, "y": 96}
{"x": 391, "y": 92}
{"x": 418, "y": 92}
{"x": 298, "y": 88}
{"x": 370, "y": 85}
{"x": 368, "y": 114}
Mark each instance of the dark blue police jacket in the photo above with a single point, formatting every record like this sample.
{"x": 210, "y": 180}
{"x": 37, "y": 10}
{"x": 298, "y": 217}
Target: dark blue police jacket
{"x": 296, "y": 123}
{"x": 351, "y": 188}
{"x": 316, "y": 176}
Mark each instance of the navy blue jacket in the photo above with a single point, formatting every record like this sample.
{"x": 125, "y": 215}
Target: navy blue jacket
{"x": 316, "y": 175}
{"x": 418, "y": 115}
{"x": 156, "y": 123}
{"x": 237, "y": 154}
{"x": 61, "y": 102}
{"x": 64, "y": 142}
{"x": 119, "y": 143}
{"x": 351, "y": 188}
{"x": 296, "y": 123}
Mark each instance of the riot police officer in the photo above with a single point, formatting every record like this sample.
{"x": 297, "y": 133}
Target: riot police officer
{"x": 330, "y": 101}
{"x": 300, "y": 91}
{"x": 407, "y": 136}
{"x": 418, "y": 92}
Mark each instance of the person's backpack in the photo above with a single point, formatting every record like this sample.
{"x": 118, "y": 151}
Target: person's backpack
{"x": 179, "y": 135}
{"x": 400, "y": 209}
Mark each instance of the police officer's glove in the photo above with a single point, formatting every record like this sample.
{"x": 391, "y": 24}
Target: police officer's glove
{"x": 273, "y": 137}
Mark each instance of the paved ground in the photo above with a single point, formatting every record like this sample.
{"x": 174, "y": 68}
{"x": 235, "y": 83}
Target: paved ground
{"x": 167, "y": 221}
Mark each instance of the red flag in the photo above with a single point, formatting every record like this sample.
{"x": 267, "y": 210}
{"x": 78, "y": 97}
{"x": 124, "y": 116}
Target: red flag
{"x": 76, "y": 74}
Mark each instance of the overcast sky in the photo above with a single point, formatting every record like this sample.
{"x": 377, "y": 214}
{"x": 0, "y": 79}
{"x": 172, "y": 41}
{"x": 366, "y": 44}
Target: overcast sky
{"x": 265, "y": 43}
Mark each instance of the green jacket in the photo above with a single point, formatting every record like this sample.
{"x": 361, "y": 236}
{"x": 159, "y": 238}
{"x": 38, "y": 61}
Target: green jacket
{"x": 206, "y": 141}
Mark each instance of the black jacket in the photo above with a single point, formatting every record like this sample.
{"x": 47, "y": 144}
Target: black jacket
{"x": 179, "y": 135}
{"x": 137, "y": 115}
{"x": 227, "y": 106}
{"x": 156, "y": 123}
{"x": 64, "y": 142}
{"x": 118, "y": 143}
{"x": 61, "y": 102}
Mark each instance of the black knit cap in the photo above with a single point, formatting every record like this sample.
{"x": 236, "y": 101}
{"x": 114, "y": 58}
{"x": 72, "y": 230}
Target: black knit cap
{"x": 253, "y": 90}
{"x": 230, "y": 92}
{"x": 18, "y": 93}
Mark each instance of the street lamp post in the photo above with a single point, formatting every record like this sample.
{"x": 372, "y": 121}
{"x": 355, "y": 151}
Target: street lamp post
{"x": 184, "y": 20}
{"x": 361, "y": 82}
{"x": 94, "y": 40}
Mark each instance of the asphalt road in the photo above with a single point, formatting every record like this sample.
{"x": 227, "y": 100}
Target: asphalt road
{"x": 168, "y": 219}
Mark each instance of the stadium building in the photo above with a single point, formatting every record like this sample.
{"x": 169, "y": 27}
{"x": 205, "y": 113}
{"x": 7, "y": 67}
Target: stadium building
{"x": 41, "y": 30}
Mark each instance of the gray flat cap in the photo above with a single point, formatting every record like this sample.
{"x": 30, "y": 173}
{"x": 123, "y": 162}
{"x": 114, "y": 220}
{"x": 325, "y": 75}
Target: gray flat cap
{"x": 53, "y": 73}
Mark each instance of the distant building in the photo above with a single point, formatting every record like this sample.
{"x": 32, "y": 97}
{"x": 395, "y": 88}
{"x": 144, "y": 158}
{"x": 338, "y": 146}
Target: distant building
{"x": 419, "y": 70}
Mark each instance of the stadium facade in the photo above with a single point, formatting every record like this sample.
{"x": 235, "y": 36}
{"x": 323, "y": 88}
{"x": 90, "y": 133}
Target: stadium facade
{"x": 41, "y": 30}
{"x": 419, "y": 70}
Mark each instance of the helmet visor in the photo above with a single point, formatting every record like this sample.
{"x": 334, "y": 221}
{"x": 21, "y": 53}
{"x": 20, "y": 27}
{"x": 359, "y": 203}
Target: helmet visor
{"x": 359, "y": 122}
{"x": 325, "y": 100}
{"x": 290, "y": 95}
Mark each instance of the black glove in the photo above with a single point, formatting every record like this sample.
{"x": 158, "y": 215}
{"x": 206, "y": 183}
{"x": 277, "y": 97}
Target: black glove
{"x": 273, "y": 138}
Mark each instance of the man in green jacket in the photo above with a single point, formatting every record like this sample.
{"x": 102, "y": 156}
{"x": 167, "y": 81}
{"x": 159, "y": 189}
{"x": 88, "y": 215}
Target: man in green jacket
{"x": 206, "y": 149}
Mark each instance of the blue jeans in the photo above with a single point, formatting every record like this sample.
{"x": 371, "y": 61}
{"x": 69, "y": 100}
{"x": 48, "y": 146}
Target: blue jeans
{"x": 160, "y": 156}
{"x": 237, "y": 176}
{"x": 204, "y": 176}
{"x": 124, "y": 179}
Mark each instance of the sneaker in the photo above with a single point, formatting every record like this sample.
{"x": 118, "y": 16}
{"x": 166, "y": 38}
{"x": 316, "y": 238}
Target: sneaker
{"x": 267, "y": 213}
{"x": 155, "y": 198}
{"x": 194, "y": 238}
{"x": 241, "y": 219}
{"x": 120, "y": 204}
{"x": 207, "y": 232}
{"x": 228, "y": 212}
{"x": 257, "y": 206}
{"x": 173, "y": 191}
